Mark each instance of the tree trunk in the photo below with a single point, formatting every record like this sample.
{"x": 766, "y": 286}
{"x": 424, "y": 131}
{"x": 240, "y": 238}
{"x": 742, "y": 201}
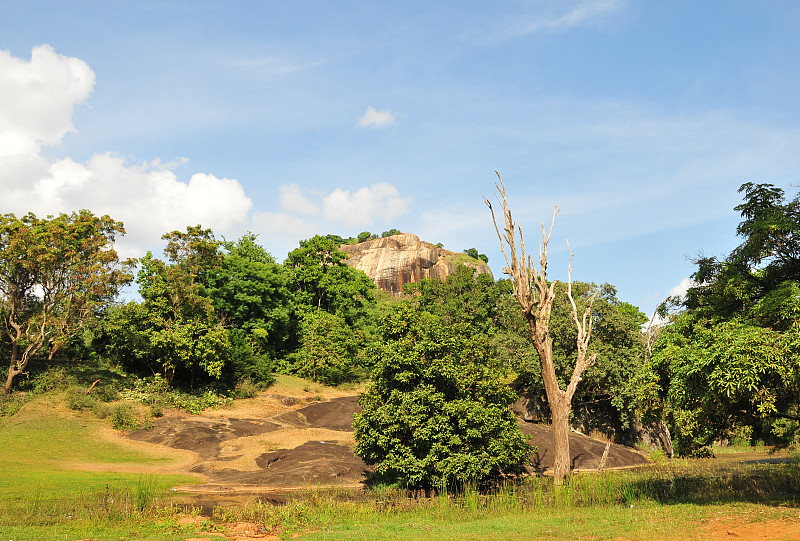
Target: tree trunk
{"x": 10, "y": 380}
{"x": 559, "y": 410}
{"x": 12, "y": 372}
{"x": 665, "y": 437}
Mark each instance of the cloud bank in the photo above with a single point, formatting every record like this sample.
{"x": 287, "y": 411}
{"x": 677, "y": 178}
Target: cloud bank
{"x": 36, "y": 112}
{"x": 40, "y": 96}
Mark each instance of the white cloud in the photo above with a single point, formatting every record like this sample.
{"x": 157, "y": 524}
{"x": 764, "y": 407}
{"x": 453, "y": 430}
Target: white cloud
{"x": 681, "y": 289}
{"x": 148, "y": 198}
{"x": 376, "y": 118}
{"x": 281, "y": 231}
{"x": 39, "y": 97}
{"x": 293, "y": 200}
{"x": 537, "y": 17}
{"x": 364, "y": 206}
{"x": 303, "y": 215}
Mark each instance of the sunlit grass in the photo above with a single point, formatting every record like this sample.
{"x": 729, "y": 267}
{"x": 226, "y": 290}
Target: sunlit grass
{"x": 640, "y": 504}
{"x": 45, "y": 493}
{"x": 45, "y": 489}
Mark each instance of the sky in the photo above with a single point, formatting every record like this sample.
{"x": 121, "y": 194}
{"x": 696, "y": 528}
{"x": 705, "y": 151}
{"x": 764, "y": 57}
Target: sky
{"x": 638, "y": 119}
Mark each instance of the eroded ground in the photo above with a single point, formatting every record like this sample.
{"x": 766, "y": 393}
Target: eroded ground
{"x": 282, "y": 443}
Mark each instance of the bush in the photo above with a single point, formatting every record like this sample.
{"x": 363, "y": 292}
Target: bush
{"x": 51, "y": 379}
{"x": 246, "y": 362}
{"x": 77, "y": 399}
{"x": 105, "y": 393}
{"x": 123, "y": 417}
{"x": 328, "y": 349}
{"x": 101, "y": 409}
{"x": 11, "y": 404}
{"x": 247, "y": 389}
{"x": 435, "y": 415}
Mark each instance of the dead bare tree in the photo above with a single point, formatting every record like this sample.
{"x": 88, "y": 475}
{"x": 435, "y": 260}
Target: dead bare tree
{"x": 535, "y": 296}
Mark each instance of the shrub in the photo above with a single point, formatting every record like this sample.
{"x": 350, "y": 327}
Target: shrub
{"x": 50, "y": 380}
{"x": 11, "y": 404}
{"x": 328, "y": 349}
{"x": 77, "y": 399}
{"x": 247, "y": 362}
{"x": 247, "y": 389}
{"x": 196, "y": 403}
{"x": 435, "y": 415}
{"x": 124, "y": 418}
{"x": 105, "y": 393}
{"x": 101, "y": 409}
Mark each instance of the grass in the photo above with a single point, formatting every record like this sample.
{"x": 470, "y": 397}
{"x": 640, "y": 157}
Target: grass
{"x": 46, "y": 492}
{"x": 302, "y": 388}
{"x": 668, "y": 501}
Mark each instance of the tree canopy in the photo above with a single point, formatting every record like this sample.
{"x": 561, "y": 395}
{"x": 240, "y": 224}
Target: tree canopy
{"x": 435, "y": 413}
{"x": 56, "y": 273}
{"x": 731, "y": 361}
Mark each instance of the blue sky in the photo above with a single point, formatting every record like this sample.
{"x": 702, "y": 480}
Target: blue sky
{"x": 638, "y": 119}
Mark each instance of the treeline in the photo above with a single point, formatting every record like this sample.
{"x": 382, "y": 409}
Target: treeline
{"x": 215, "y": 313}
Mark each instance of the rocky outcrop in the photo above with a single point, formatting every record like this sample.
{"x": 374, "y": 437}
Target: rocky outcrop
{"x": 394, "y": 261}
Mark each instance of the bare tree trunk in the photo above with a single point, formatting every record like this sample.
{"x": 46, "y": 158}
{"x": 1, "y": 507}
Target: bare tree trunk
{"x": 9, "y": 380}
{"x": 562, "y": 466}
{"x": 12, "y": 370}
{"x": 535, "y": 297}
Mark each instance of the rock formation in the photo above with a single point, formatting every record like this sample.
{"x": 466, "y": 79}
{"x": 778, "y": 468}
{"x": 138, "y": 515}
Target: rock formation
{"x": 394, "y": 261}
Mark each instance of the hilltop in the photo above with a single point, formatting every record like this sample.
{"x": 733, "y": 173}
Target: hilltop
{"x": 393, "y": 261}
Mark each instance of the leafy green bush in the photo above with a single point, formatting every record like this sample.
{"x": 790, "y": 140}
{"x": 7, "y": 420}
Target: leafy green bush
{"x": 11, "y": 404}
{"x": 55, "y": 378}
{"x": 123, "y": 417}
{"x": 151, "y": 390}
{"x": 196, "y": 403}
{"x": 328, "y": 349}
{"x": 247, "y": 389}
{"x": 101, "y": 409}
{"x": 77, "y": 399}
{"x": 105, "y": 393}
{"x": 247, "y": 363}
{"x": 435, "y": 414}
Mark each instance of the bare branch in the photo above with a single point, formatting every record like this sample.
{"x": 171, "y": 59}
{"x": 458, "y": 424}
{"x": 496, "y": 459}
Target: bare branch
{"x": 535, "y": 296}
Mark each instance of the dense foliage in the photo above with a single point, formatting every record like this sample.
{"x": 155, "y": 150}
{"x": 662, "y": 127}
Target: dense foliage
{"x": 435, "y": 413}
{"x": 56, "y": 273}
{"x": 729, "y": 364}
{"x": 218, "y": 314}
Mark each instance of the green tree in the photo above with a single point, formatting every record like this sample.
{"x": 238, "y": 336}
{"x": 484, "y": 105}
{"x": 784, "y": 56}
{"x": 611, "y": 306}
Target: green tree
{"x": 473, "y": 253}
{"x": 249, "y": 292}
{"x": 319, "y": 279}
{"x": 463, "y": 297}
{"x": 731, "y": 358}
{"x": 605, "y": 400}
{"x": 56, "y": 273}
{"x": 328, "y": 349}
{"x": 175, "y": 329}
{"x": 435, "y": 414}
{"x": 391, "y": 232}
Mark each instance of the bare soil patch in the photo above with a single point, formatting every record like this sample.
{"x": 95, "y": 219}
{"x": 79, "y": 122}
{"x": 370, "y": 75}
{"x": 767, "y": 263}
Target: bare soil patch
{"x": 277, "y": 444}
{"x": 733, "y": 528}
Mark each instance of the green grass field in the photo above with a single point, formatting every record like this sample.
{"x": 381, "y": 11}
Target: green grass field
{"x": 63, "y": 479}
{"x": 46, "y": 492}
